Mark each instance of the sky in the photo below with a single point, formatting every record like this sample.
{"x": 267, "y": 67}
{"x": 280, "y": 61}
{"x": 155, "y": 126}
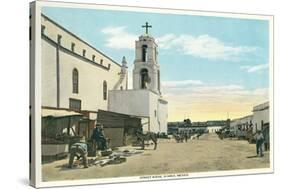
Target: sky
{"x": 211, "y": 67}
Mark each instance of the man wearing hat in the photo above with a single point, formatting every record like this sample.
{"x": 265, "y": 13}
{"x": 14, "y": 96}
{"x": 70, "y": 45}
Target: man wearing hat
{"x": 79, "y": 150}
{"x": 99, "y": 136}
{"x": 259, "y": 142}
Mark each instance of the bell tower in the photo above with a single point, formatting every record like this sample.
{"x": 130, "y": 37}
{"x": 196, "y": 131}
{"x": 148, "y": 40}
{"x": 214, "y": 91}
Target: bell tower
{"x": 146, "y": 72}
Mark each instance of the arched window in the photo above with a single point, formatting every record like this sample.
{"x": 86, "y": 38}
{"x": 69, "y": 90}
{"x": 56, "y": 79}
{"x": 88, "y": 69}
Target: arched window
{"x": 144, "y": 78}
{"x": 75, "y": 78}
{"x": 104, "y": 90}
{"x": 144, "y": 53}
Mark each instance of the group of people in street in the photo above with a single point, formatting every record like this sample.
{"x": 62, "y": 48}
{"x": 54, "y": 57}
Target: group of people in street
{"x": 261, "y": 138}
{"x": 80, "y": 149}
{"x": 185, "y": 135}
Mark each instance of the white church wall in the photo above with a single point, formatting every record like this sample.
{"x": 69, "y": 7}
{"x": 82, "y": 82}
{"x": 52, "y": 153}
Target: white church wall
{"x": 259, "y": 117}
{"x": 48, "y": 75}
{"x": 90, "y": 90}
{"x": 153, "y": 113}
{"x": 154, "y": 83}
{"x": 91, "y": 75}
{"x": 131, "y": 102}
{"x": 145, "y": 124}
{"x": 140, "y": 103}
{"x": 136, "y": 80}
{"x": 163, "y": 116}
{"x": 52, "y": 30}
{"x": 158, "y": 114}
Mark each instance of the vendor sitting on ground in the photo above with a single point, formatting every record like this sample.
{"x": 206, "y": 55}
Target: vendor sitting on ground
{"x": 78, "y": 150}
{"x": 99, "y": 136}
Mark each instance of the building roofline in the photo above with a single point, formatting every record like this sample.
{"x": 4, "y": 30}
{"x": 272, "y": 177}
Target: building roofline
{"x": 123, "y": 114}
{"x": 261, "y": 107}
{"x": 83, "y": 41}
{"x": 49, "y": 40}
{"x": 132, "y": 90}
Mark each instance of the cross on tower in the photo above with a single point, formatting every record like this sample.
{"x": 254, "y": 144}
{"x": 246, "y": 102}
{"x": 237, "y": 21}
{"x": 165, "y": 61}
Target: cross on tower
{"x": 146, "y": 26}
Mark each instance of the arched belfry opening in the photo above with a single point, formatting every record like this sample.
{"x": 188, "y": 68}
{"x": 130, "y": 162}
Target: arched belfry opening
{"x": 144, "y": 53}
{"x": 144, "y": 78}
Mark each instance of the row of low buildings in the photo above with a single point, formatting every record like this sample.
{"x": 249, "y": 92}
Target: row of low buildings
{"x": 258, "y": 120}
{"x": 195, "y": 127}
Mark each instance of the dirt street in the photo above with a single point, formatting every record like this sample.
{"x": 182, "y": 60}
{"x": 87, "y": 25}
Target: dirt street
{"x": 206, "y": 154}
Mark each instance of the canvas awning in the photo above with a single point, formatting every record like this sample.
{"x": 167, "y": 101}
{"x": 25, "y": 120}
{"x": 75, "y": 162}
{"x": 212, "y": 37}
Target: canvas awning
{"x": 58, "y": 113}
{"x": 114, "y": 120}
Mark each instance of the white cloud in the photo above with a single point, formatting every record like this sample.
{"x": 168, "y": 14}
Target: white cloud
{"x": 255, "y": 68}
{"x": 197, "y": 86}
{"x": 174, "y": 84}
{"x": 203, "y": 46}
{"x": 166, "y": 41}
{"x": 220, "y": 88}
{"x": 206, "y": 93}
{"x": 119, "y": 38}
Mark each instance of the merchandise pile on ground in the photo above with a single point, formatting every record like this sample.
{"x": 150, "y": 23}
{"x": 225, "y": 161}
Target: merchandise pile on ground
{"x": 108, "y": 157}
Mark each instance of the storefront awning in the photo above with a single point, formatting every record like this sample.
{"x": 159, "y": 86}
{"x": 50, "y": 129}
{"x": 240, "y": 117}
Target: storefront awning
{"x": 58, "y": 113}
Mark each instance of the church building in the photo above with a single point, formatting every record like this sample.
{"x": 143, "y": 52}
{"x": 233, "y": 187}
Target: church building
{"x": 145, "y": 99}
{"x": 75, "y": 75}
{"x": 78, "y": 77}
